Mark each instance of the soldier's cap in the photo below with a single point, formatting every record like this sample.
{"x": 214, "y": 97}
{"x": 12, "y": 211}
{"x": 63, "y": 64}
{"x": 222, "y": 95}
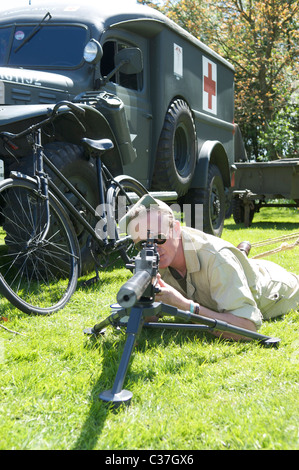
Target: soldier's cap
{"x": 146, "y": 201}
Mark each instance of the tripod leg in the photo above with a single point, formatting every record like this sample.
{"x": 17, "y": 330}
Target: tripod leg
{"x": 117, "y": 395}
{"x": 99, "y": 327}
{"x": 221, "y": 326}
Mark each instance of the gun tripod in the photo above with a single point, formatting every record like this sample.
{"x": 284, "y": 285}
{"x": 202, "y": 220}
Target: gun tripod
{"x": 136, "y": 321}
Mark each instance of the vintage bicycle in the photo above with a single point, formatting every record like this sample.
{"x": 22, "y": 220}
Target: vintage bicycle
{"x": 40, "y": 257}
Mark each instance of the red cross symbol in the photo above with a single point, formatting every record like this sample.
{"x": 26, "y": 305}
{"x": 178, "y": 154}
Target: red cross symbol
{"x": 210, "y": 86}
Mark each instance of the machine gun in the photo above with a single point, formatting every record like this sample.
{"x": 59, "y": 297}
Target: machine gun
{"x": 139, "y": 290}
{"x": 142, "y": 286}
{"x": 136, "y": 302}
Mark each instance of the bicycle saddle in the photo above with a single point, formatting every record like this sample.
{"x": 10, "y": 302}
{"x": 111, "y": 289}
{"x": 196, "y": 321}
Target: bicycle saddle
{"x": 100, "y": 145}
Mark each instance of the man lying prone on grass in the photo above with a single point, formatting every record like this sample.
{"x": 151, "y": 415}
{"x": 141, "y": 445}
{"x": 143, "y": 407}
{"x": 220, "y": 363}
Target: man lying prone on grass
{"x": 206, "y": 275}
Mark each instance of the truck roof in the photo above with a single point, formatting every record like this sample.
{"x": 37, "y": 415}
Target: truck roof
{"x": 141, "y": 18}
{"x": 109, "y": 13}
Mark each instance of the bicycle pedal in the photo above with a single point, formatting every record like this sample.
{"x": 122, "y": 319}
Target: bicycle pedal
{"x": 91, "y": 281}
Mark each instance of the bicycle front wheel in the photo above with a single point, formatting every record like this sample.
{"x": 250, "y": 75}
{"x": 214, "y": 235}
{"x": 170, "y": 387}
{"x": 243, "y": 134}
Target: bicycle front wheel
{"x": 38, "y": 274}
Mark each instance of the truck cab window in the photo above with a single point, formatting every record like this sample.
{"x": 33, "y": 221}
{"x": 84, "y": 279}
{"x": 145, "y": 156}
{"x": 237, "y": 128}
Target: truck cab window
{"x": 132, "y": 81}
{"x": 4, "y": 42}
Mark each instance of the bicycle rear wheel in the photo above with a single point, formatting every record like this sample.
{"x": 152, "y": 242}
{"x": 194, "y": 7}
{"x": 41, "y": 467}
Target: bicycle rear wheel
{"x": 37, "y": 274}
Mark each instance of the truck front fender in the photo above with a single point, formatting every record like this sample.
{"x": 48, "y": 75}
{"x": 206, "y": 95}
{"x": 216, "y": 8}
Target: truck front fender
{"x": 17, "y": 118}
{"x": 66, "y": 128}
{"x": 96, "y": 126}
{"x": 10, "y": 115}
{"x": 212, "y": 151}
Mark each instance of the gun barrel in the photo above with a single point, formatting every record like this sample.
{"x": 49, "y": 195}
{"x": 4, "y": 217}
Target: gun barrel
{"x": 133, "y": 289}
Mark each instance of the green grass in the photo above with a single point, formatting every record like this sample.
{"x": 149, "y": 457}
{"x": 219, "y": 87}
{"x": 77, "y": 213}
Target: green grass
{"x": 190, "y": 390}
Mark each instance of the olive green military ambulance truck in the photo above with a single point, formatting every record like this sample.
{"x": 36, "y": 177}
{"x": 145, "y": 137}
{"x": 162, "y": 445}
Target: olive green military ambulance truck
{"x": 164, "y": 98}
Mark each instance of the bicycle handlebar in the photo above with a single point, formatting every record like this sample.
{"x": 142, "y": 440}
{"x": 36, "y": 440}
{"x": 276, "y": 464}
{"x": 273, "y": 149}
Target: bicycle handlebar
{"x": 76, "y": 109}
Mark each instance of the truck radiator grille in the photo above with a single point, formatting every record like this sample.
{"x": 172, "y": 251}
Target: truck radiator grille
{"x": 18, "y": 94}
{"x": 21, "y": 96}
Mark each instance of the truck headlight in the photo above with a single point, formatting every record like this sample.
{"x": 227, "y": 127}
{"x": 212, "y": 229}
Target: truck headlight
{"x": 93, "y": 52}
{"x": 2, "y": 93}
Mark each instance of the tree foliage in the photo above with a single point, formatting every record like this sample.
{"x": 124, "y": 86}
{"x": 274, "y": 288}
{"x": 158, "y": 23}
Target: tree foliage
{"x": 261, "y": 40}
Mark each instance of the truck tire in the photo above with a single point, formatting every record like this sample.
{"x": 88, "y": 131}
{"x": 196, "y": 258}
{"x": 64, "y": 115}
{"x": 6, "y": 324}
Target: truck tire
{"x": 238, "y": 211}
{"x": 81, "y": 172}
{"x": 213, "y": 201}
{"x": 176, "y": 154}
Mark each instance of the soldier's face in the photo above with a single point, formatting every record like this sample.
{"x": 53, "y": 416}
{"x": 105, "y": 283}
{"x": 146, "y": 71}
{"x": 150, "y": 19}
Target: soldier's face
{"x": 159, "y": 227}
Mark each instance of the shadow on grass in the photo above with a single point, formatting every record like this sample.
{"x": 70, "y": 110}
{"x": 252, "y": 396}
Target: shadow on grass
{"x": 270, "y": 218}
{"x": 98, "y": 411}
{"x": 111, "y": 351}
{"x": 265, "y": 226}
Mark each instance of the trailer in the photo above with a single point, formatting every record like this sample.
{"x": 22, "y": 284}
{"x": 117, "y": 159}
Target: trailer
{"x": 261, "y": 184}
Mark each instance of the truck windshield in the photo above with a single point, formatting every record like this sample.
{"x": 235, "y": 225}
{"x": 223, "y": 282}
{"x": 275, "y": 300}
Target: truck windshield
{"x": 53, "y": 46}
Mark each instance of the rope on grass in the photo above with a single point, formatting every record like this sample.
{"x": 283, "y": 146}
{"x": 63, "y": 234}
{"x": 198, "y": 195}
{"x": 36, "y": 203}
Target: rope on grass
{"x": 284, "y": 246}
{"x": 11, "y": 331}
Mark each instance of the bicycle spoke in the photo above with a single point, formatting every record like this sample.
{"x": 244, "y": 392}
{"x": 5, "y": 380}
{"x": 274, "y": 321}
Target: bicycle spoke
{"x": 38, "y": 272}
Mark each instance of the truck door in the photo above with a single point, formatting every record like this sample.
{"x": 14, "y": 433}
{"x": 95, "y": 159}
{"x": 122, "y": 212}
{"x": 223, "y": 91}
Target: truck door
{"x": 133, "y": 90}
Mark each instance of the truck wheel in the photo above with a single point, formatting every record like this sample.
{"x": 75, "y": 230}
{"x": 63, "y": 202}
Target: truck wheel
{"x": 176, "y": 154}
{"x": 239, "y": 211}
{"x": 213, "y": 201}
{"x": 81, "y": 172}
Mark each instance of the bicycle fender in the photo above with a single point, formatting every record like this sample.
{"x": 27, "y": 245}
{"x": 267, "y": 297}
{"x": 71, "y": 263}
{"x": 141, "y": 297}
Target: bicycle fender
{"x": 21, "y": 176}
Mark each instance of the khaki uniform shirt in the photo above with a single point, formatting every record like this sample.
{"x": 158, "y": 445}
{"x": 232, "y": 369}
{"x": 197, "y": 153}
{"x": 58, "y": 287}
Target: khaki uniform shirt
{"x": 221, "y": 278}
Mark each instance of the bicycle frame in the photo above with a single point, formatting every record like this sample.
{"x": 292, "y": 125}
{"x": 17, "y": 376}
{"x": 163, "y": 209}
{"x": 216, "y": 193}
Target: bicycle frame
{"x": 42, "y": 180}
{"x": 48, "y": 219}
{"x": 103, "y": 231}
{"x": 56, "y": 191}
{"x": 45, "y": 183}
{"x": 102, "y": 172}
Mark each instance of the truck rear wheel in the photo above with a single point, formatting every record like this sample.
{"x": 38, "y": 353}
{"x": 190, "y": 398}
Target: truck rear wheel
{"x": 213, "y": 201}
{"x": 176, "y": 154}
